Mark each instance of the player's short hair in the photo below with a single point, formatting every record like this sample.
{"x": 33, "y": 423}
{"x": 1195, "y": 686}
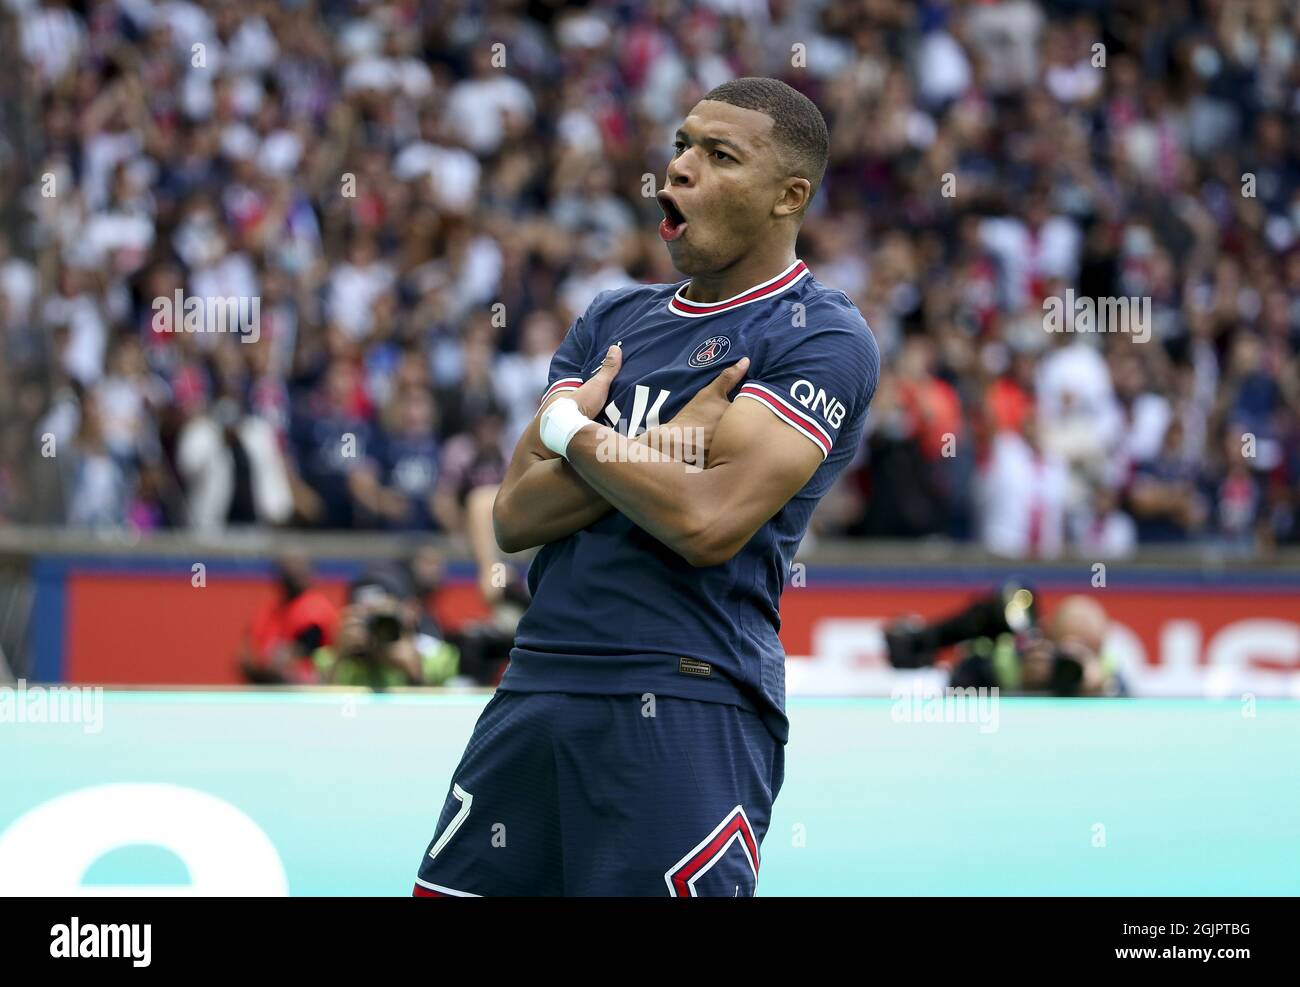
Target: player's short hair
{"x": 797, "y": 125}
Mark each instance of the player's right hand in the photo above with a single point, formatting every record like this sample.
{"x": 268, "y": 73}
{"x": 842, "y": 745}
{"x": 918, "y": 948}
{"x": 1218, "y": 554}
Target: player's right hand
{"x": 594, "y": 394}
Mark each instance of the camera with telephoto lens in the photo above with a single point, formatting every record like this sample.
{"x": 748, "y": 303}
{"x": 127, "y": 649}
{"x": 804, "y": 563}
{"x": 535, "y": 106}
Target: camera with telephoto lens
{"x": 379, "y": 595}
{"x": 383, "y": 628}
{"x": 912, "y": 643}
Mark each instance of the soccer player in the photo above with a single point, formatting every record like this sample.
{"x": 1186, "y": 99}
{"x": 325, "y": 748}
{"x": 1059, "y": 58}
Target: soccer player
{"x": 636, "y": 743}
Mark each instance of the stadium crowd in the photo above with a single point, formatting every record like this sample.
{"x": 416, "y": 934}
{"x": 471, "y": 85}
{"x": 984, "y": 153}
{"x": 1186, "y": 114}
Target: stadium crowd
{"x": 421, "y": 197}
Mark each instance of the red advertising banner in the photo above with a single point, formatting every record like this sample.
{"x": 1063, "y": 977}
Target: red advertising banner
{"x": 140, "y": 629}
{"x": 1173, "y": 633}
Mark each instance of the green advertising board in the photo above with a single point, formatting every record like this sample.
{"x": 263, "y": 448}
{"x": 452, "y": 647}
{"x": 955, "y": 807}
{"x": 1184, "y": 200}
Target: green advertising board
{"x": 329, "y": 793}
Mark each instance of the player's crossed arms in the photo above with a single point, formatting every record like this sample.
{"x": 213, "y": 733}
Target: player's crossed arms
{"x": 754, "y": 464}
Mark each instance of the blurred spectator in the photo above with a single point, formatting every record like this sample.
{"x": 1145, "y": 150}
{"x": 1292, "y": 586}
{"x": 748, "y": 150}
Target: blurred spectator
{"x": 279, "y": 645}
{"x": 1165, "y": 496}
{"x": 396, "y": 482}
{"x": 1100, "y": 529}
{"x": 232, "y": 468}
{"x": 470, "y": 461}
{"x": 520, "y": 378}
{"x": 901, "y": 495}
{"x": 97, "y": 482}
{"x": 1236, "y": 499}
{"x": 332, "y": 436}
{"x": 1024, "y": 496}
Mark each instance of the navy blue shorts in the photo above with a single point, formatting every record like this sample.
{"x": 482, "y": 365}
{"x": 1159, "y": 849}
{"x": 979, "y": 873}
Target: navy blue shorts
{"x": 565, "y": 794}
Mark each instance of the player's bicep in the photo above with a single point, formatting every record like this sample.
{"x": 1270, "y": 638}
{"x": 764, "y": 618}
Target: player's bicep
{"x": 766, "y": 462}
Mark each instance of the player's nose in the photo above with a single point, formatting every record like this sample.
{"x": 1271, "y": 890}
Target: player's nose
{"x": 680, "y": 170}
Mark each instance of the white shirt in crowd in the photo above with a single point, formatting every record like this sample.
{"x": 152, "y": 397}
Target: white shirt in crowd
{"x": 1022, "y": 500}
{"x": 520, "y": 382}
{"x": 207, "y": 467}
{"x": 353, "y": 290}
{"x": 83, "y": 358}
{"x": 477, "y": 109}
{"x": 453, "y": 173}
{"x": 1051, "y": 251}
{"x": 1107, "y": 536}
{"x": 1075, "y": 380}
{"x": 19, "y": 283}
{"x": 52, "y": 39}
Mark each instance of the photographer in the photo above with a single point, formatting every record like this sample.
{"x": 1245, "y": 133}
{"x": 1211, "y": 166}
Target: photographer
{"x": 278, "y": 647}
{"x": 380, "y": 642}
{"x": 483, "y": 646}
{"x": 1000, "y": 643}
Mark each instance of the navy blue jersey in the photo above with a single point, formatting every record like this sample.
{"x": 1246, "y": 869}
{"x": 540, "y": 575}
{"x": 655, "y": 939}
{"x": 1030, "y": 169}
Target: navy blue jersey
{"x": 409, "y": 464}
{"x": 325, "y": 456}
{"x": 614, "y": 610}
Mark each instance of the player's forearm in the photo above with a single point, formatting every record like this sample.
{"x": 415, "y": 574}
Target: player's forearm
{"x": 542, "y": 498}
{"x": 479, "y": 527}
{"x": 539, "y": 500}
{"x": 546, "y": 502}
{"x": 678, "y": 505}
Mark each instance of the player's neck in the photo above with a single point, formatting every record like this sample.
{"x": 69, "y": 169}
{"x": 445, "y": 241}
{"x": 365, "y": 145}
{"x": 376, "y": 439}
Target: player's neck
{"x": 747, "y": 272}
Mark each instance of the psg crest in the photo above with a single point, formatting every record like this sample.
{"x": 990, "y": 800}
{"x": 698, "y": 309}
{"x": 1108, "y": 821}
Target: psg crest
{"x": 711, "y": 351}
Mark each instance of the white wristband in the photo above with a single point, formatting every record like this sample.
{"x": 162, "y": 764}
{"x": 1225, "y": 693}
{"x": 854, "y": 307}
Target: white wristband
{"x": 561, "y": 421}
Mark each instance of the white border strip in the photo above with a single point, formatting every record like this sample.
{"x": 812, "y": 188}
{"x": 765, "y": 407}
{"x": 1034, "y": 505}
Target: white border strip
{"x": 559, "y": 387}
{"x": 728, "y": 304}
{"x": 795, "y": 419}
{"x": 718, "y": 855}
{"x": 452, "y": 892}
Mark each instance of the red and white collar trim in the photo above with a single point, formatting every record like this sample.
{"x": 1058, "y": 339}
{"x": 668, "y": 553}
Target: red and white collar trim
{"x": 792, "y": 275}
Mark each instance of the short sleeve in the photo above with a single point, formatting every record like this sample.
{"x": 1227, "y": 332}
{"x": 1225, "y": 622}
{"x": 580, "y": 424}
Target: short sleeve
{"x": 821, "y": 386}
{"x": 566, "y": 366}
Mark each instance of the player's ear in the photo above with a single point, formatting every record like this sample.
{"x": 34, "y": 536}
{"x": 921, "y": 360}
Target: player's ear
{"x": 795, "y": 193}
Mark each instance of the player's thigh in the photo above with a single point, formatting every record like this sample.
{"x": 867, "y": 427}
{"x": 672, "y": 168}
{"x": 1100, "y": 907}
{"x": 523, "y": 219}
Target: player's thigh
{"x": 715, "y": 845}
{"x": 666, "y": 797}
{"x": 498, "y": 832}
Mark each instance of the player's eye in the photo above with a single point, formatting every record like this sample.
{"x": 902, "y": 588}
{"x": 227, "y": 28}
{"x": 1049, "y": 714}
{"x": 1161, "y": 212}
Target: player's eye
{"x": 723, "y": 156}
{"x": 678, "y": 147}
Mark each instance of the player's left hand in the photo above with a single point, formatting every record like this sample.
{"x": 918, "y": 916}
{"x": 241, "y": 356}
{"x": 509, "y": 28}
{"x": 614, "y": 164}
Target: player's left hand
{"x": 703, "y": 411}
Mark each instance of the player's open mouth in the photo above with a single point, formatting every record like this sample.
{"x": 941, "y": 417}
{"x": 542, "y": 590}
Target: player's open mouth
{"x": 673, "y": 226}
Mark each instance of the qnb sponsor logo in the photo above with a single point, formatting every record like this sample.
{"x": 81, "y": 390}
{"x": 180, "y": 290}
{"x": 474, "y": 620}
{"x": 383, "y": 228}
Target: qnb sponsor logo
{"x": 1102, "y": 314}
{"x": 101, "y": 941}
{"x": 921, "y": 702}
{"x": 238, "y": 314}
{"x": 817, "y": 400}
{"x": 53, "y": 704}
